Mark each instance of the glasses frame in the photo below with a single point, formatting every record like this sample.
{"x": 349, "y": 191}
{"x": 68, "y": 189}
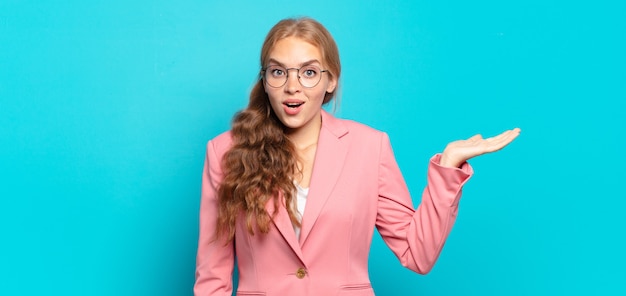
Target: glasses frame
{"x": 264, "y": 72}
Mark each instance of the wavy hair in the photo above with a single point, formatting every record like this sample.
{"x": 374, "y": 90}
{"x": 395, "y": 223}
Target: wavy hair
{"x": 261, "y": 164}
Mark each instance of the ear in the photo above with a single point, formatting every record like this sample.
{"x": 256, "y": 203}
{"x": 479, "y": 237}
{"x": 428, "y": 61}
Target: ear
{"x": 332, "y": 84}
{"x": 264, "y": 86}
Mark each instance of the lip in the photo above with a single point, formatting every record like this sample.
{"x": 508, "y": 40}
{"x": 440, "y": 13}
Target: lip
{"x": 292, "y": 101}
{"x": 292, "y": 110}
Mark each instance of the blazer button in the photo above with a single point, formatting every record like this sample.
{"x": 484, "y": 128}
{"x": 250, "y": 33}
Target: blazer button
{"x": 300, "y": 273}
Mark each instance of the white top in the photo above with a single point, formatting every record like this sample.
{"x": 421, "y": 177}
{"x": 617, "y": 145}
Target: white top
{"x": 300, "y": 203}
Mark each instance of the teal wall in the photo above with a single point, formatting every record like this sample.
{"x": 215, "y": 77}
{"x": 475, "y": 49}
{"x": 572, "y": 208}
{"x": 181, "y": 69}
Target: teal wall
{"x": 106, "y": 106}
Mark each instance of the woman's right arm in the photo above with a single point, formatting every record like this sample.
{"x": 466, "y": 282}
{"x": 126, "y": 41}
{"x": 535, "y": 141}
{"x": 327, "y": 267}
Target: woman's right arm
{"x": 215, "y": 260}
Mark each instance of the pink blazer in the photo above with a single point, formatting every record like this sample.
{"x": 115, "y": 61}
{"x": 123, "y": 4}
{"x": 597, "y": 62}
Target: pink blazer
{"x": 356, "y": 185}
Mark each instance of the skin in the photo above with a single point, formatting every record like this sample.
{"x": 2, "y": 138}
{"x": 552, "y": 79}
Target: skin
{"x": 458, "y": 152}
{"x": 303, "y": 129}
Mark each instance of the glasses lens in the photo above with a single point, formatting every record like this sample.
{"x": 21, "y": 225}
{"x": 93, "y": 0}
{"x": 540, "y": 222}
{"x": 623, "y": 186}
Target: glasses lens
{"x": 310, "y": 75}
{"x": 275, "y": 76}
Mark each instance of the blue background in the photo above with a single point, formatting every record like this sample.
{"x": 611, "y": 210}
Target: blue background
{"x": 106, "y": 107}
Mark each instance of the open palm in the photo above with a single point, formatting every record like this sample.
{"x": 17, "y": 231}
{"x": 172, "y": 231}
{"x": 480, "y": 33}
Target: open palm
{"x": 458, "y": 152}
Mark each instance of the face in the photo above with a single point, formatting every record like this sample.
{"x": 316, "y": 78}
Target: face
{"x": 297, "y": 107}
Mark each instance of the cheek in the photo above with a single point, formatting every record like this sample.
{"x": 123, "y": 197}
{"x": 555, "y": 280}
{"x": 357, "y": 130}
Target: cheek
{"x": 275, "y": 101}
{"x": 273, "y": 94}
{"x": 317, "y": 93}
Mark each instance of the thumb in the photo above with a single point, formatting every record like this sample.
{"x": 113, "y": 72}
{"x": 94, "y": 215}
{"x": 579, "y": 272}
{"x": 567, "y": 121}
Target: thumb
{"x": 475, "y": 137}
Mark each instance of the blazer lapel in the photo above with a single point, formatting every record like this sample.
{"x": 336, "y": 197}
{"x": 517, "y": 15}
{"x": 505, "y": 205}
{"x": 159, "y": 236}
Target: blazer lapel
{"x": 285, "y": 227}
{"x": 329, "y": 160}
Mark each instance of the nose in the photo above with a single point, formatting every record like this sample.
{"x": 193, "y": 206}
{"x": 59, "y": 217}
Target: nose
{"x": 293, "y": 84}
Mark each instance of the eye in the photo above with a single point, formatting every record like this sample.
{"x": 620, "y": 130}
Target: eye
{"x": 276, "y": 71}
{"x": 309, "y": 72}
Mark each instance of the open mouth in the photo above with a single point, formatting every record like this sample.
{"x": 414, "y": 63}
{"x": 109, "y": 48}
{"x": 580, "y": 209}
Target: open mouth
{"x": 294, "y": 105}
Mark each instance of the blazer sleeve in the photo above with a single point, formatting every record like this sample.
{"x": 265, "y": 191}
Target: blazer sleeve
{"x": 417, "y": 236}
{"x": 214, "y": 260}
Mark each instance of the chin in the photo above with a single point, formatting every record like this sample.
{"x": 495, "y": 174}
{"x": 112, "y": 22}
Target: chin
{"x": 292, "y": 125}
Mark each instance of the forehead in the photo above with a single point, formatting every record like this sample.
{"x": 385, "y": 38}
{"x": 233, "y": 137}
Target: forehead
{"x": 292, "y": 51}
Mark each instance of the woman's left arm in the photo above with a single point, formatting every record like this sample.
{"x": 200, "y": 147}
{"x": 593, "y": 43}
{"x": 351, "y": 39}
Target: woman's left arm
{"x": 417, "y": 236}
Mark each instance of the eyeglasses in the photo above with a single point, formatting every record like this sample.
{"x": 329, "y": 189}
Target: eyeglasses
{"x": 309, "y": 76}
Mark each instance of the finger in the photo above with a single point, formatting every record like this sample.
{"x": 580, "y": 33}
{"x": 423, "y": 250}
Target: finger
{"x": 503, "y": 137}
{"x": 475, "y": 137}
{"x": 509, "y": 133}
{"x": 498, "y": 142}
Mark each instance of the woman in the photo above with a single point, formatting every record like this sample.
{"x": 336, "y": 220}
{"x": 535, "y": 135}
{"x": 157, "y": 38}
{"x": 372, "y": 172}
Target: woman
{"x": 294, "y": 194}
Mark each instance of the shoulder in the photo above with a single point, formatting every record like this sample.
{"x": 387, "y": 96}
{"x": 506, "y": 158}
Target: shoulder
{"x": 353, "y": 129}
{"x": 361, "y": 128}
{"x": 220, "y": 144}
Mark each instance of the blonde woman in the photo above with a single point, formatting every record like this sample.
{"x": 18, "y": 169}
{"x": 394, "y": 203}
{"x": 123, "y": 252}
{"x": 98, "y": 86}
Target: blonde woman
{"x": 294, "y": 194}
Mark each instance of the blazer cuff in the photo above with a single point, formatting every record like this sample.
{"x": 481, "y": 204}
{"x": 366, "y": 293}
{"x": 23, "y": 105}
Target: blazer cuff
{"x": 465, "y": 167}
{"x": 448, "y": 181}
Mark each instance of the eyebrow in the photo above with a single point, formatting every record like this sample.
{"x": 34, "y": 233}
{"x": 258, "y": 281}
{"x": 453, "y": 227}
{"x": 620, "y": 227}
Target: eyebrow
{"x": 309, "y": 62}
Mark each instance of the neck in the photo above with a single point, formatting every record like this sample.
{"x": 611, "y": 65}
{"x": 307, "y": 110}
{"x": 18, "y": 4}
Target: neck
{"x": 305, "y": 136}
